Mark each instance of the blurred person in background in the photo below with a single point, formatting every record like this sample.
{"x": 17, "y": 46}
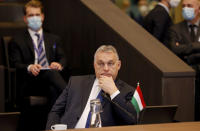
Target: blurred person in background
{"x": 158, "y": 20}
{"x": 183, "y": 39}
{"x": 137, "y": 10}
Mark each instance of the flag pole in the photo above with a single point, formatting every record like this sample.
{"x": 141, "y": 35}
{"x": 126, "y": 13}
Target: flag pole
{"x": 138, "y": 84}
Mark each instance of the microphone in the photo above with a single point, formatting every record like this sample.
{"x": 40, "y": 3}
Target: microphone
{"x": 120, "y": 107}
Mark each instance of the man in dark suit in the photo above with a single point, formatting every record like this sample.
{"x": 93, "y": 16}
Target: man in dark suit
{"x": 158, "y": 20}
{"x": 72, "y": 106}
{"x": 38, "y": 58}
{"x": 184, "y": 40}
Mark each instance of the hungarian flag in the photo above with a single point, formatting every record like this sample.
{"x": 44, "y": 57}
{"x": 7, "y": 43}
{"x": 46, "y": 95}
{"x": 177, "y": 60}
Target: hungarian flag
{"x": 138, "y": 100}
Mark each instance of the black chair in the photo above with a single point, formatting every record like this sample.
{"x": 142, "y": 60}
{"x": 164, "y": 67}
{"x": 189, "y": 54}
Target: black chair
{"x": 10, "y": 77}
{"x": 9, "y": 121}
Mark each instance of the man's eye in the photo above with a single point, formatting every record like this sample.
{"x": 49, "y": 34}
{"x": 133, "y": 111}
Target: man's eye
{"x": 30, "y": 15}
{"x": 101, "y": 64}
{"x": 33, "y": 15}
{"x": 110, "y": 64}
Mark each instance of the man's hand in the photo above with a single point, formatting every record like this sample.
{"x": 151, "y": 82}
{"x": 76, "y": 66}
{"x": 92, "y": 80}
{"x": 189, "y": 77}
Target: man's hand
{"x": 55, "y": 66}
{"x": 35, "y": 69}
{"x": 177, "y": 44}
{"x": 107, "y": 84}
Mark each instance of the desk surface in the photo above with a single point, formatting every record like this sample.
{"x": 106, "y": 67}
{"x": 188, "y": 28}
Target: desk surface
{"x": 182, "y": 126}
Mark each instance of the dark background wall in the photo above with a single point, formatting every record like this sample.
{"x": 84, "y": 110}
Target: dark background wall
{"x": 69, "y": 19}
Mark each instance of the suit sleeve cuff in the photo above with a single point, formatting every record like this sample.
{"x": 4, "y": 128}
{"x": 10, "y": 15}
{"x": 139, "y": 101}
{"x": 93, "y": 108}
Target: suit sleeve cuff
{"x": 114, "y": 94}
{"x": 28, "y": 68}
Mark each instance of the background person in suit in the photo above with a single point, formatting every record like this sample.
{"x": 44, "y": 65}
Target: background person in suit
{"x": 72, "y": 106}
{"x": 38, "y": 58}
{"x": 158, "y": 20}
{"x": 184, "y": 40}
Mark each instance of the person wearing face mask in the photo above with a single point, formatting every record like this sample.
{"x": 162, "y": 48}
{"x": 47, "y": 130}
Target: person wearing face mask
{"x": 38, "y": 59}
{"x": 158, "y": 20}
{"x": 143, "y": 7}
{"x": 136, "y": 11}
{"x": 184, "y": 40}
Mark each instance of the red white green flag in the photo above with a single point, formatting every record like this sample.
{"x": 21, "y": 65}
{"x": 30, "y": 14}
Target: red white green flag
{"x": 138, "y": 100}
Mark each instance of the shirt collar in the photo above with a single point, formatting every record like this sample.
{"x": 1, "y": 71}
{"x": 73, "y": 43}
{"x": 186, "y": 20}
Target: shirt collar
{"x": 164, "y": 6}
{"x": 32, "y": 33}
{"x": 96, "y": 82}
{"x": 197, "y": 23}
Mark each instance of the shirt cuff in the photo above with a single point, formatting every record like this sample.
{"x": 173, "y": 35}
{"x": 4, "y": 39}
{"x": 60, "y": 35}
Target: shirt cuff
{"x": 28, "y": 68}
{"x": 114, "y": 94}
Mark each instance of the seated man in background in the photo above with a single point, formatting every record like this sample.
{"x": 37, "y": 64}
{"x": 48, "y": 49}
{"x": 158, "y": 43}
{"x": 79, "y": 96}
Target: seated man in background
{"x": 158, "y": 20}
{"x": 73, "y": 105}
{"x": 38, "y": 58}
{"x": 184, "y": 40}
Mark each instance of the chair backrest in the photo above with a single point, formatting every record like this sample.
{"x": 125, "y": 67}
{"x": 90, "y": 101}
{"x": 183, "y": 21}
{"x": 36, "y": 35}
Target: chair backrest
{"x": 10, "y": 77}
{"x": 158, "y": 114}
{"x": 2, "y": 52}
{"x": 6, "y": 40}
{"x": 9, "y": 121}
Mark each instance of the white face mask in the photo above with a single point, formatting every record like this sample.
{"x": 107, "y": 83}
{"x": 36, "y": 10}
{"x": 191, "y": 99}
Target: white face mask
{"x": 174, "y": 3}
{"x": 143, "y": 10}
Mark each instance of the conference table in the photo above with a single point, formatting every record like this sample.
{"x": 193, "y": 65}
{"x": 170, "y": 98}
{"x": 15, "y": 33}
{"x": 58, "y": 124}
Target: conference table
{"x": 179, "y": 126}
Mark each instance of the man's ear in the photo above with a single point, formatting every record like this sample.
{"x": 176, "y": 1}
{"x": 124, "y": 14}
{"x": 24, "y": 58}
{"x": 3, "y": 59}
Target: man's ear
{"x": 119, "y": 64}
{"x": 42, "y": 17}
{"x": 25, "y": 19}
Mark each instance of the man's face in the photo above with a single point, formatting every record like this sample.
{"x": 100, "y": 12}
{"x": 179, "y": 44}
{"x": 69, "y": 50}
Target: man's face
{"x": 191, "y": 4}
{"x": 106, "y": 64}
{"x": 31, "y": 11}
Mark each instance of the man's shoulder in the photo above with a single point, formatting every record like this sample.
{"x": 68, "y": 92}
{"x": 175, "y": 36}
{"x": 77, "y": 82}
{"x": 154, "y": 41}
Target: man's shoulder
{"x": 51, "y": 35}
{"x": 20, "y": 37}
{"x": 179, "y": 25}
{"x": 156, "y": 14}
{"x": 123, "y": 84}
{"x": 157, "y": 10}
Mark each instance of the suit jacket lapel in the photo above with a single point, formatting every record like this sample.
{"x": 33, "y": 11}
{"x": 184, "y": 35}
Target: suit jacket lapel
{"x": 86, "y": 91}
{"x": 47, "y": 45}
{"x": 29, "y": 42}
{"x": 185, "y": 31}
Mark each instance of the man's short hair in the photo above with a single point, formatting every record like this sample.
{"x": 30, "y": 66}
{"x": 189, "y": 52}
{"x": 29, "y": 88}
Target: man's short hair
{"x": 33, "y": 3}
{"x": 106, "y": 48}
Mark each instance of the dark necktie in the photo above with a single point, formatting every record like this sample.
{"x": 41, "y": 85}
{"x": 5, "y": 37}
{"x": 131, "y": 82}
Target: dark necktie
{"x": 89, "y": 114}
{"x": 192, "y": 32}
{"x": 40, "y": 52}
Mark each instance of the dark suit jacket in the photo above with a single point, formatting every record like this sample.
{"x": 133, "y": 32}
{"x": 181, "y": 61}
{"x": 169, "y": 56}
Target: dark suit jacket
{"x": 71, "y": 103}
{"x": 157, "y": 22}
{"x": 187, "y": 50}
{"x": 21, "y": 55}
{"x": 21, "y": 51}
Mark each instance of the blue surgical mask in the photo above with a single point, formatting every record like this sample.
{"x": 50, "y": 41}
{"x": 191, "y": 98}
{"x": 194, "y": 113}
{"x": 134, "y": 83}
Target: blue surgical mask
{"x": 34, "y": 22}
{"x": 188, "y": 13}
